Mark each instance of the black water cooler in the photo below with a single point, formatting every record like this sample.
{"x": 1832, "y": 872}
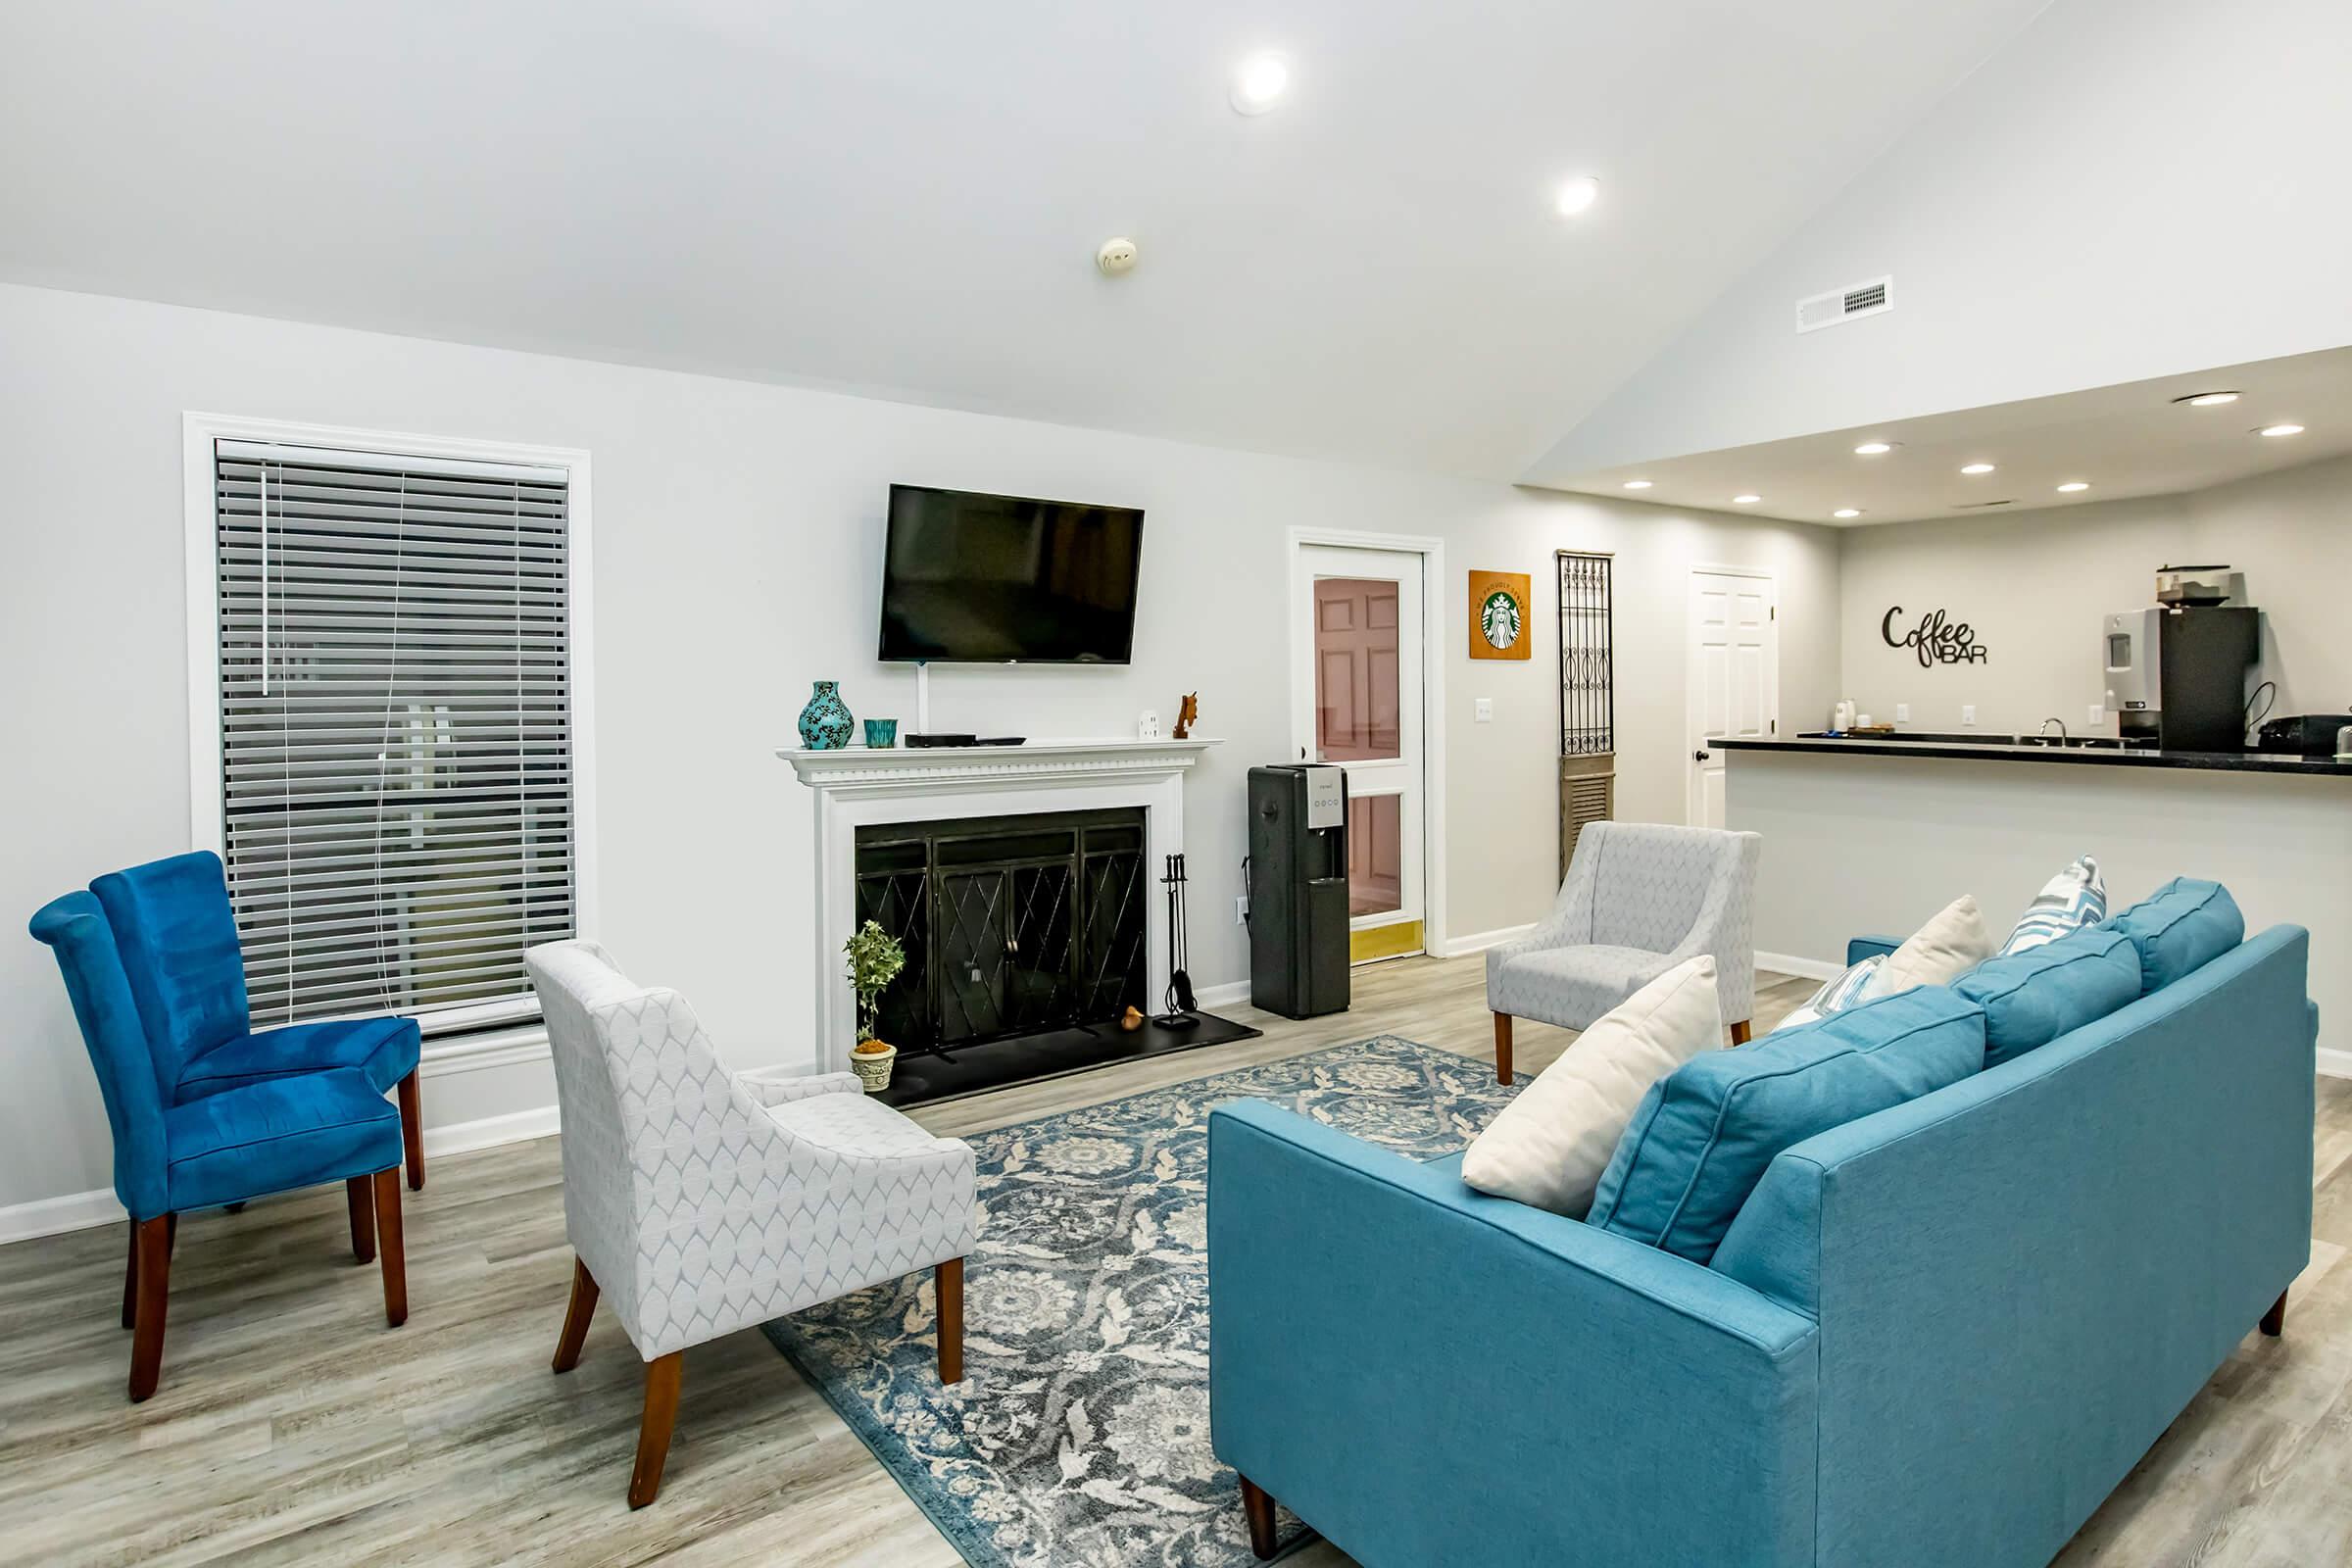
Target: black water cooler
{"x": 1298, "y": 890}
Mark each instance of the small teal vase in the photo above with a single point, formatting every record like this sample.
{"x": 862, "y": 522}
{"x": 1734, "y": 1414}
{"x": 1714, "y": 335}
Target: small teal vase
{"x": 825, "y": 722}
{"x": 881, "y": 733}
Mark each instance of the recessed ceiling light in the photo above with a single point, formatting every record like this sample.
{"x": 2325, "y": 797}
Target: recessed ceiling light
{"x": 2281, "y": 429}
{"x": 1578, "y": 194}
{"x": 2072, "y": 486}
{"x": 2208, "y": 400}
{"x": 1847, "y": 512}
{"x": 1873, "y": 449}
{"x": 1975, "y": 467}
{"x": 1636, "y": 484}
{"x": 1257, "y": 81}
{"x": 1745, "y": 501}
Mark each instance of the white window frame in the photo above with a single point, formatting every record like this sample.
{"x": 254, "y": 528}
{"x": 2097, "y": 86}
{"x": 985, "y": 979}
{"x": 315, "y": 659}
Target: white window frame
{"x": 198, "y": 434}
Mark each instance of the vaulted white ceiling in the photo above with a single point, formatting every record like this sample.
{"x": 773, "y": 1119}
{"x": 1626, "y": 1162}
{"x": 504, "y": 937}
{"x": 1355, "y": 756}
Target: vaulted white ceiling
{"x": 906, "y": 199}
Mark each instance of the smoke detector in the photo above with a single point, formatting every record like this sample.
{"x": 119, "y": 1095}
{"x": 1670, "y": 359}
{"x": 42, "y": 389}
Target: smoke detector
{"x": 1116, "y": 256}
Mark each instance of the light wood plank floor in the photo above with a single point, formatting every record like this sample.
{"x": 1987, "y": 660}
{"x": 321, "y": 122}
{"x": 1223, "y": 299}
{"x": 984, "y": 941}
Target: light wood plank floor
{"x": 292, "y": 1426}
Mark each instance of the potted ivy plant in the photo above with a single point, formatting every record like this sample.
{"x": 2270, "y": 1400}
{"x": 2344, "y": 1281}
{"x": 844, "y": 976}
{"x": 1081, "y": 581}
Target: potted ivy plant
{"x": 875, "y": 959}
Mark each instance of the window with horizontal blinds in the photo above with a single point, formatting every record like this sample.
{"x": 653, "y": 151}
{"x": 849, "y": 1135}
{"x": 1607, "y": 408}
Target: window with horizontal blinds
{"x": 396, "y": 728}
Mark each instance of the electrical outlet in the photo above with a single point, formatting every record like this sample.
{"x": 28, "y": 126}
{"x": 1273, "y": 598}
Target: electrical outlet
{"x": 2099, "y": 714}
{"x": 1240, "y": 909}
{"x": 1968, "y": 713}
{"x": 1903, "y": 712}
{"x": 1485, "y": 710}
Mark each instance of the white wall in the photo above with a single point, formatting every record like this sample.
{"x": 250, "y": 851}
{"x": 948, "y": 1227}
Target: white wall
{"x": 2130, "y": 188}
{"x": 2033, "y": 586}
{"x": 737, "y": 557}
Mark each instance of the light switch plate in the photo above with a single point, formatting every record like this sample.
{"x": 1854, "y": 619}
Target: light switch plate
{"x": 2098, "y": 713}
{"x": 1485, "y": 710}
{"x": 1968, "y": 713}
{"x": 1903, "y": 712}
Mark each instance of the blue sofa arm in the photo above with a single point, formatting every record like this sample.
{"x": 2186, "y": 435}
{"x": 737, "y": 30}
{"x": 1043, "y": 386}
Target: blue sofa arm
{"x": 1430, "y": 1376}
{"x": 1859, "y": 947}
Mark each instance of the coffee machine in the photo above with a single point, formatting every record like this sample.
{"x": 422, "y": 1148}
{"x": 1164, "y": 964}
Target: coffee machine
{"x": 2177, "y": 676}
{"x": 1298, "y": 889}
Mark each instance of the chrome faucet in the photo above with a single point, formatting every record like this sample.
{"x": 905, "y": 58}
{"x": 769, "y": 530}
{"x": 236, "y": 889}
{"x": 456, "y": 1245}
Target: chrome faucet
{"x": 2046, "y": 728}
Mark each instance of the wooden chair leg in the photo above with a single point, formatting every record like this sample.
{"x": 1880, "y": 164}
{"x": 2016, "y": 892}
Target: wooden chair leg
{"x": 152, "y": 1240}
{"x": 661, "y": 1378}
{"x": 947, "y": 1282}
{"x": 1502, "y": 1048}
{"x": 359, "y": 1193}
{"x": 1259, "y": 1510}
{"x": 2273, "y": 1322}
{"x": 389, "y": 1243}
{"x": 412, "y": 1131}
{"x": 130, "y": 1278}
{"x": 1739, "y": 1032}
{"x": 576, "y": 1316}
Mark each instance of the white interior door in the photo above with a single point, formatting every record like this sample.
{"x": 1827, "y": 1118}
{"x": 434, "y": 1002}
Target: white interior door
{"x": 1356, "y": 701}
{"x": 1733, "y": 670}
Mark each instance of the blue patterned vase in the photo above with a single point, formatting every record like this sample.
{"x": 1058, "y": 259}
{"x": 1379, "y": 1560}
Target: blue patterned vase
{"x": 881, "y": 732}
{"x": 825, "y": 721}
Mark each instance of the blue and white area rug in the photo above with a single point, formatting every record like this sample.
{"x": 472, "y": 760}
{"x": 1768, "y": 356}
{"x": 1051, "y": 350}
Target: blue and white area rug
{"x": 1080, "y": 1433}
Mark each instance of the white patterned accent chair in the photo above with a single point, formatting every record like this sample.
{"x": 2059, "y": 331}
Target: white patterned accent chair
{"x": 699, "y": 1203}
{"x": 1640, "y": 899}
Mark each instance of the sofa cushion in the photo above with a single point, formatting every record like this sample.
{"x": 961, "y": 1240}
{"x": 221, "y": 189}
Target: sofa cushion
{"x": 2032, "y": 996}
{"x": 1704, "y": 1135}
{"x": 2074, "y": 898}
{"x": 1946, "y": 948}
{"x": 2179, "y": 927}
{"x": 1550, "y": 1145}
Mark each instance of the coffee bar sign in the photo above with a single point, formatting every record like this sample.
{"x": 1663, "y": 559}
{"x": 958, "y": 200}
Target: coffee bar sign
{"x": 1934, "y": 637}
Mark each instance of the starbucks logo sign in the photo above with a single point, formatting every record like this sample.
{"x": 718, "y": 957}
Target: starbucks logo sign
{"x": 1498, "y": 614}
{"x": 1498, "y": 620}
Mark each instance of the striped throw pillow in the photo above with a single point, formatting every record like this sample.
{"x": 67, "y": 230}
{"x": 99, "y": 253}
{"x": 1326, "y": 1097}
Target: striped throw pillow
{"x": 2070, "y": 900}
{"x": 1838, "y": 995}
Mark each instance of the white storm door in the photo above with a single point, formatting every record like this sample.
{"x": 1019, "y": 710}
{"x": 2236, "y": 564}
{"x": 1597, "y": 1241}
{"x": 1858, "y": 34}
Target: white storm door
{"x": 1732, "y": 659}
{"x": 1356, "y": 701}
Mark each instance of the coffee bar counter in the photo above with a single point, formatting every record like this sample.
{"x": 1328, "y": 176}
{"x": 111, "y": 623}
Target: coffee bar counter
{"x": 1874, "y": 834}
{"x": 2097, "y": 753}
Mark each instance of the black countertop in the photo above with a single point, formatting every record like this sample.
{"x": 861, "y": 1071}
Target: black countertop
{"x": 2016, "y": 750}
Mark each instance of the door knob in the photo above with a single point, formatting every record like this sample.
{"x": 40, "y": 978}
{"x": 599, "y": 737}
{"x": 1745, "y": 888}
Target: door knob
{"x": 1698, "y": 757}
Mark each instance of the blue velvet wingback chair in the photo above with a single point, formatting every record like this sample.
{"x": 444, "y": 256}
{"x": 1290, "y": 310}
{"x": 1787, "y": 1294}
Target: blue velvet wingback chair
{"x": 177, "y": 937}
{"x": 205, "y": 1113}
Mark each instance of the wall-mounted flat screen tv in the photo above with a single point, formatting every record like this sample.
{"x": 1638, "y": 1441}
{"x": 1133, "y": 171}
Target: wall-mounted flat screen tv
{"x": 972, "y": 578}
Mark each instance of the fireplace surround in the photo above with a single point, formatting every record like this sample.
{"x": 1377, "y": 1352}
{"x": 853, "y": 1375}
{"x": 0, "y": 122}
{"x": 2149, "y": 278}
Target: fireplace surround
{"x": 858, "y": 787}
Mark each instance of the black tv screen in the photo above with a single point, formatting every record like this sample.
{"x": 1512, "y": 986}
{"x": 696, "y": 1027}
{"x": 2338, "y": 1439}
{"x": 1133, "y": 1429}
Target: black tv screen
{"x": 994, "y": 579}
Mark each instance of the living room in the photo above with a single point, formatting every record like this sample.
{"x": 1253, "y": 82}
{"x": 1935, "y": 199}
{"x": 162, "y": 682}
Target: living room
{"x": 662, "y": 323}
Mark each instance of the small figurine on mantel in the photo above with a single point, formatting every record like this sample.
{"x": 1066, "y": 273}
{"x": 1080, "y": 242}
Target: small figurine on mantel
{"x": 1188, "y": 712}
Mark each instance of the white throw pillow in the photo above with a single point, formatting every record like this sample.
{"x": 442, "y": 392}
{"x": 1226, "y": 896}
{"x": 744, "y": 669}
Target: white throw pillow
{"x": 1939, "y": 951}
{"x": 1548, "y": 1147}
{"x": 2074, "y": 898}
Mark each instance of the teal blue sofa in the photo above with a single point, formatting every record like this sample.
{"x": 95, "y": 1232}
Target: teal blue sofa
{"x": 1938, "y": 1335}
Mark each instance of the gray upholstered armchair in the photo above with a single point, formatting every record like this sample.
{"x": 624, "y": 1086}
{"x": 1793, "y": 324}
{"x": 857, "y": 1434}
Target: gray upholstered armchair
{"x": 1640, "y": 899}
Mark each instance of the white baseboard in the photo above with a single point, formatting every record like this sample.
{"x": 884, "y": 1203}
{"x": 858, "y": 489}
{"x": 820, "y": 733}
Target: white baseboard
{"x": 79, "y": 1211}
{"x": 1227, "y": 995}
{"x": 1791, "y": 963}
{"x": 2335, "y": 1063}
{"x": 1481, "y": 941}
{"x": 517, "y": 1127}
{"x": 50, "y": 1216}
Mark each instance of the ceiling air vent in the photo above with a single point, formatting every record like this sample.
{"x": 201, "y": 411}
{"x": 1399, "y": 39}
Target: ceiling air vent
{"x": 1841, "y": 305}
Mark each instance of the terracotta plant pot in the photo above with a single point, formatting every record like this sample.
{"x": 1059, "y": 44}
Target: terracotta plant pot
{"x": 871, "y": 1066}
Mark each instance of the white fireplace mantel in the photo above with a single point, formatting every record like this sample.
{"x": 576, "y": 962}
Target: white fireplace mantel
{"x": 859, "y": 786}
